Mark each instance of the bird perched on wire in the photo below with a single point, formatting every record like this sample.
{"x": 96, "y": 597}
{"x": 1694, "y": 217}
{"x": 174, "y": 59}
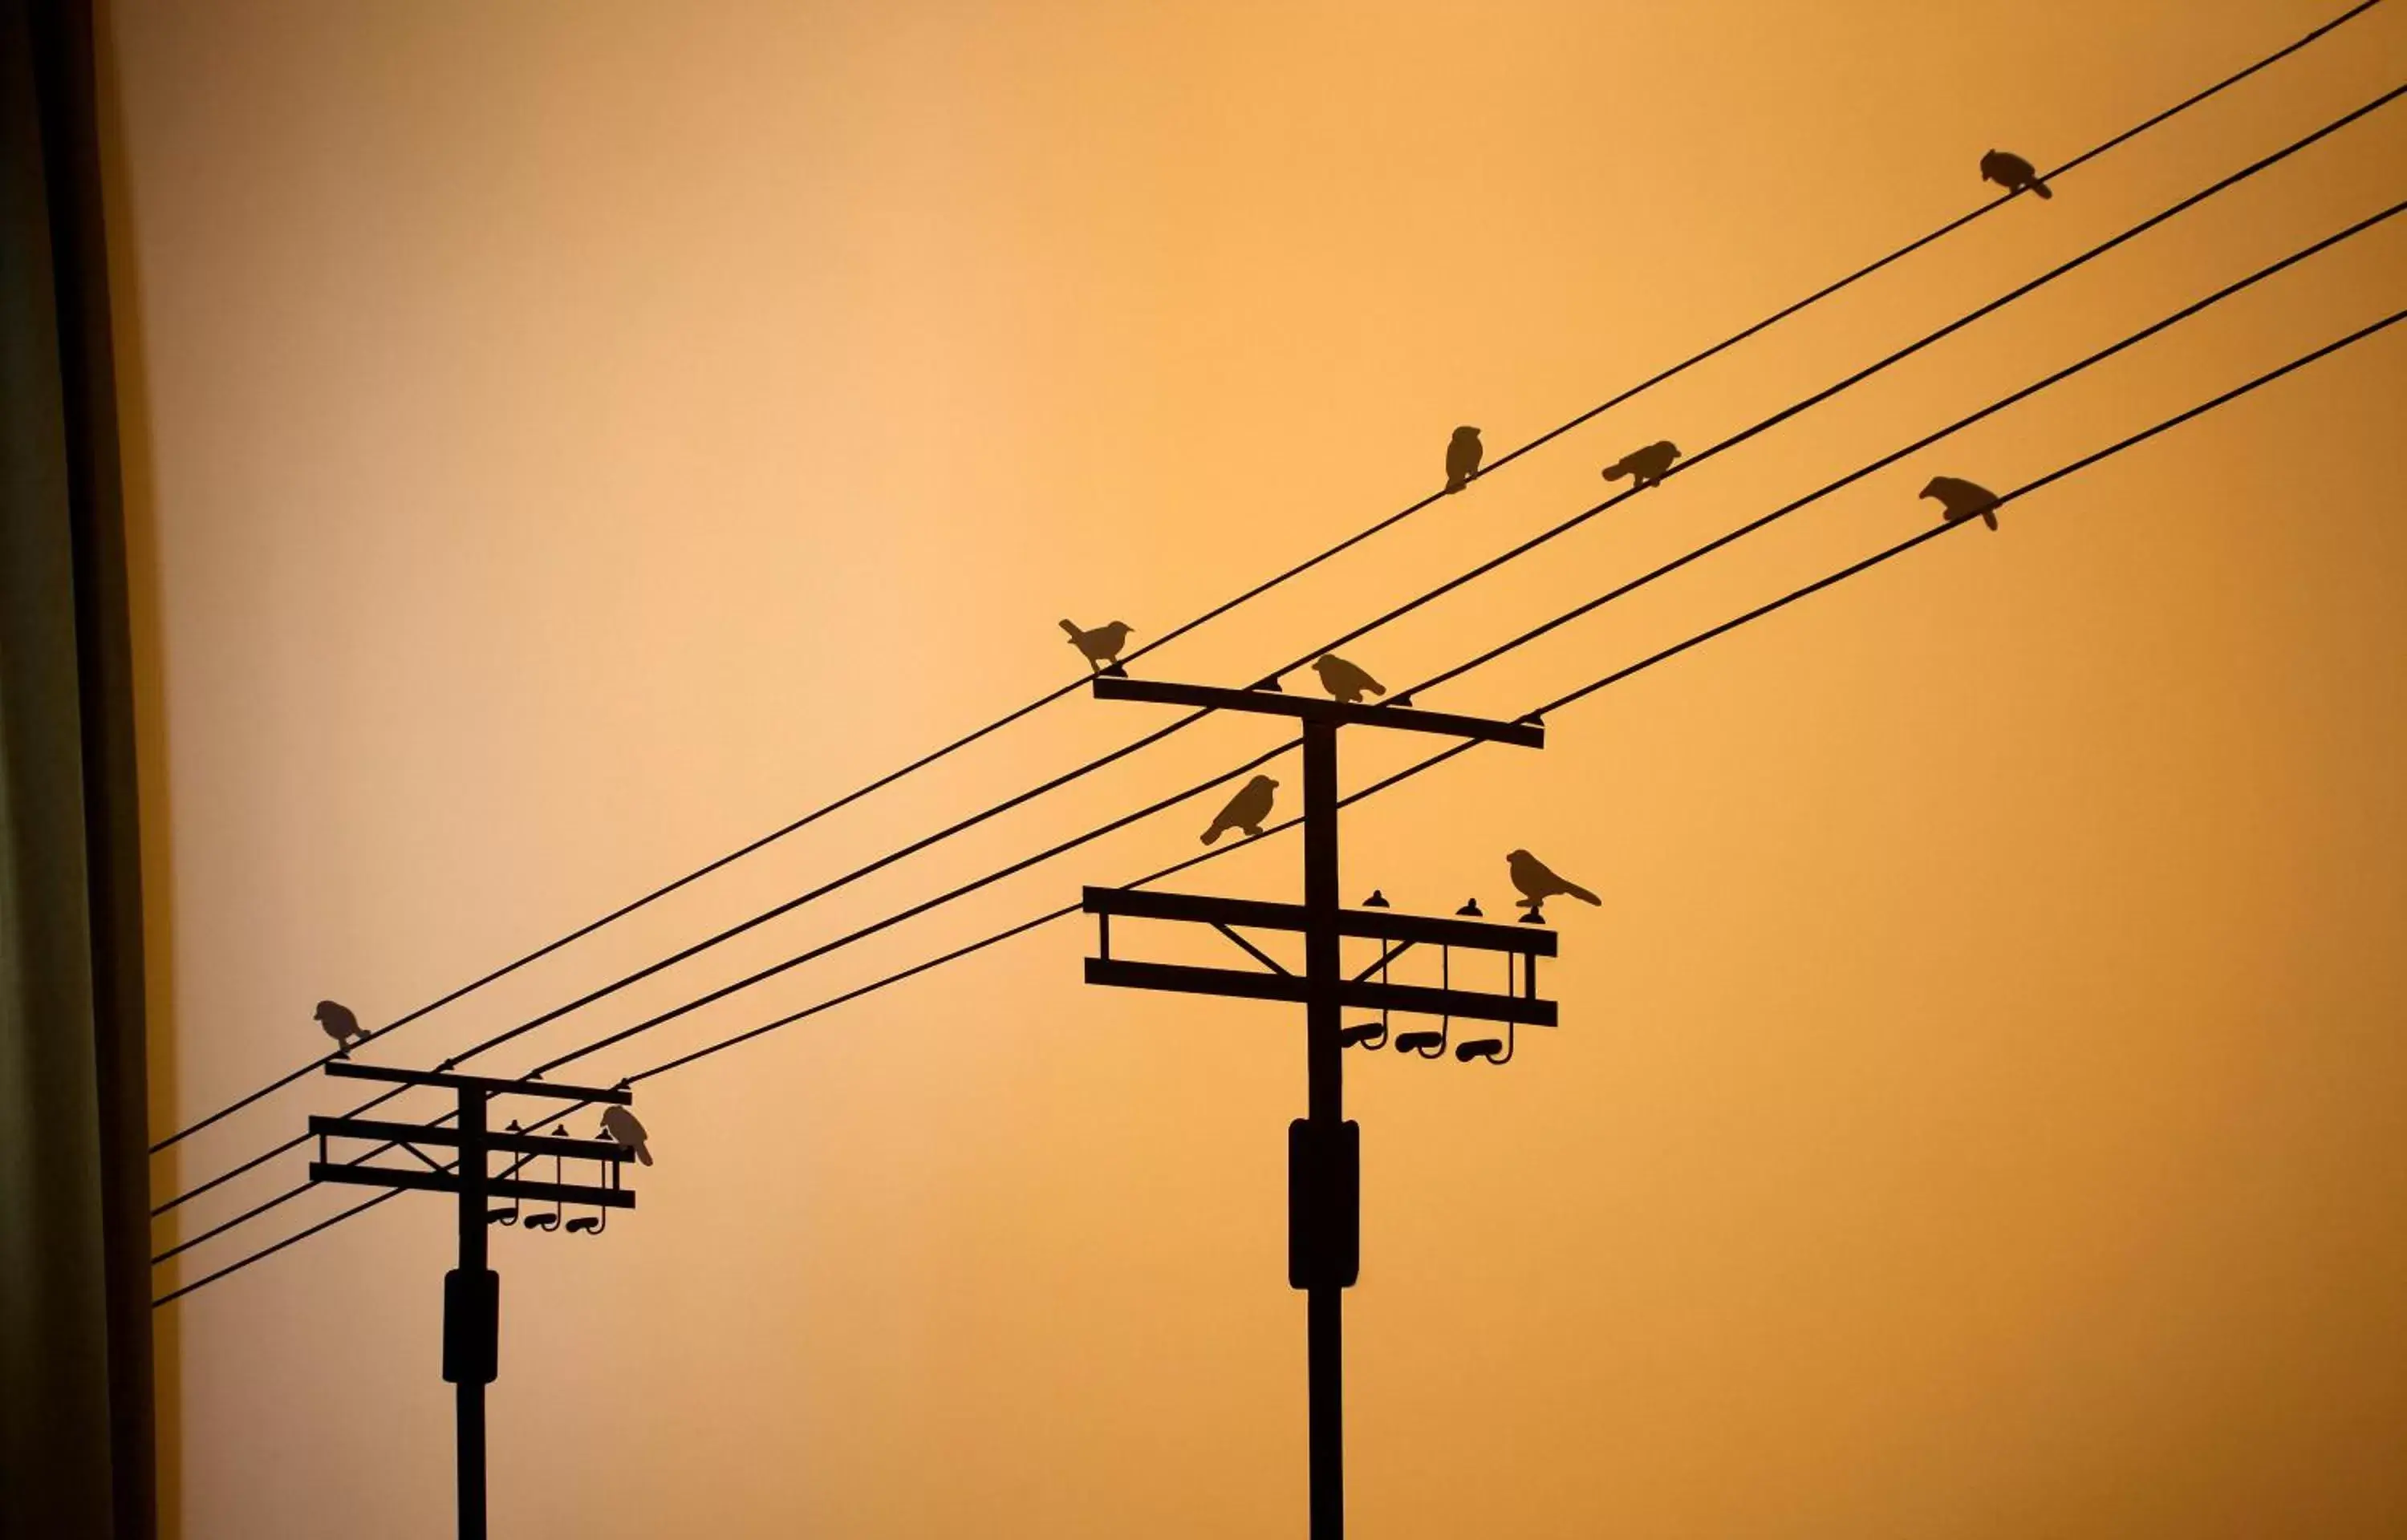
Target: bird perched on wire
{"x": 1960, "y": 499}
{"x": 1245, "y": 810}
{"x": 619, "y": 1124}
{"x": 1538, "y": 884}
{"x": 339, "y": 1025}
{"x": 1100, "y": 647}
{"x": 1644, "y": 467}
{"x": 1463, "y": 453}
{"x": 1344, "y": 681}
{"x": 2013, "y": 173}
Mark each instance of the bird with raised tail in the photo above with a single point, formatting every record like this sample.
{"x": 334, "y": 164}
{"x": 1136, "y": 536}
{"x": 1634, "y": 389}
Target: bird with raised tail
{"x": 1960, "y": 499}
{"x": 1344, "y": 683}
{"x": 619, "y": 1124}
{"x": 1245, "y": 810}
{"x": 1538, "y": 884}
{"x": 1644, "y": 467}
{"x": 2013, "y": 173}
{"x": 337, "y": 1022}
{"x": 1100, "y": 647}
{"x": 1462, "y": 454}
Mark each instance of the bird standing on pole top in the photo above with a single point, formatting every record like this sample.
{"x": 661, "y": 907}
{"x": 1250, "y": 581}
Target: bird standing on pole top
{"x": 620, "y": 1125}
{"x": 339, "y": 1024}
{"x": 1539, "y": 884}
{"x": 1100, "y": 647}
{"x": 1346, "y": 683}
{"x": 1245, "y": 810}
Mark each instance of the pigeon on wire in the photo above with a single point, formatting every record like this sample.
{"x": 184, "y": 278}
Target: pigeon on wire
{"x": 1644, "y": 467}
{"x": 1346, "y": 682}
{"x": 340, "y": 1024}
{"x": 1462, "y": 454}
{"x": 1245, "y": 810}
{"x": 1962, "y": 500}
{"x": 2013, "y": 173}
{"x": 1539, "y": 884}
{"x": 1100, "y": 647}
{"x": 619, "y": 1124}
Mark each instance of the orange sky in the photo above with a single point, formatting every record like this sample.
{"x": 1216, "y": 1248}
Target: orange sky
{"x": 569, "y": 439}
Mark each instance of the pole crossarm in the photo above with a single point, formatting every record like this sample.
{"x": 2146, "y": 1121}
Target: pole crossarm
{"x": 1380, "y": 924}
{"x": 491, "y": 1085}
{"x": 448, "y": 1181}
{"x": 1527, "y": 735}
{"x": 420, "y": 1133}
{"x": 1245, "y": 984}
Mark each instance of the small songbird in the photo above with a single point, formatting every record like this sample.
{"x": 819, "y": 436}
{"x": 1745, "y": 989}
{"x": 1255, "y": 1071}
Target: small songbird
{"x": 2013, "y": 173}
{"x": 1245, "y": 810}
{"x": 1101, "y": 647}
{"x": 1644, "y": 467}
{"x": 619, "y": 1124}
{"x": 1344, "y": 681}
{"x": 1962, "y": 500}
{"x": 339, "y": 1025}
{"x": 1462, "y": 454}
{"x": 1538, "y": 884}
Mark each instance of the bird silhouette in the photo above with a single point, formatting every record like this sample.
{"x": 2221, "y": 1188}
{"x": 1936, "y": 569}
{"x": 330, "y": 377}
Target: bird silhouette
{"x": 1644, "y": 467}
{"x": 1245, "y": 810}
{"x": 619, "y": 1124}
{"x": 1538, "y": 884}
{"x": 1100, "y": 647}
{"x": 339, "y": 1025}
{"x": 1962, "y": 500}
{"x": 2013, "y": 173}
{"x": 1463, "y": 453}
{"x": 1344, "y": 681}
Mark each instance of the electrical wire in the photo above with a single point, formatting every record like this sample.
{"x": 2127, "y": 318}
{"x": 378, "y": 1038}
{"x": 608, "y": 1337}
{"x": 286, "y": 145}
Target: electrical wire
{"x": 1062, "y": 691}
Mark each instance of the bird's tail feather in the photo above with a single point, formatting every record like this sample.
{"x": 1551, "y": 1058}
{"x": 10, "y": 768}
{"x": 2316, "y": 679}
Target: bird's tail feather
{"x": 1211, "y": 834}
{"x": 1989, "y": 517}
{"x": 1074, "y": 633}
{"x": 2040, "y": 188}
{"x": 1574, "y": 891}
{"x": 1616, "y": 473}
{"x": 644, "y": 1154}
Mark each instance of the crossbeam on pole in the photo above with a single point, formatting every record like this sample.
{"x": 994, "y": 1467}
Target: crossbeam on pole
{"x": 420, "y": 1133}
{"x": 1527, "y": 735}
{"x": 491, "y": 1085}
{"x": 1381, "y": 923}
{"x": 448, "y": 1181}
{"x": 1245, "y": 984}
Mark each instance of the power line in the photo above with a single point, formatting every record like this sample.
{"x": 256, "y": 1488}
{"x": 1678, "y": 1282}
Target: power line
{"x": 1430, "y": 595}
{"x": 1560, "y": 702}
{"x": 1593, "y": 686}
{"x": 2003, "y": 404}
{"x": 1207, "y": 617}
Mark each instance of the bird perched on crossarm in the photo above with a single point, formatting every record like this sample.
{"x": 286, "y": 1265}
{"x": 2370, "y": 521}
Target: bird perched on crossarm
{"x": 1644, "y": 467}
{"x": 340, "y": 1024}
{"x": 619, "y": 1124}
{"x": 1245, "y": 810}
{"x": 1538, "y": 884}
{"x": 1462, "y": 454}
{"x": 1960, "y": 499}
{"x": 1347, "y": 684}
{"x": 1100, "y": 647}
{"x": 2013, "y": 173}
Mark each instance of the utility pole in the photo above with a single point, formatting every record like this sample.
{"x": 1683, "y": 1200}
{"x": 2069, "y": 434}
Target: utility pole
{"x": 1324, "y": 1147}
{"x": 472, "y": 1292}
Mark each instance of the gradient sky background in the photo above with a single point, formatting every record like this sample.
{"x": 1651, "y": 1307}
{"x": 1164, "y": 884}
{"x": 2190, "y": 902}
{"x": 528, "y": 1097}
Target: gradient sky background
{"x": 567, "y": 440}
